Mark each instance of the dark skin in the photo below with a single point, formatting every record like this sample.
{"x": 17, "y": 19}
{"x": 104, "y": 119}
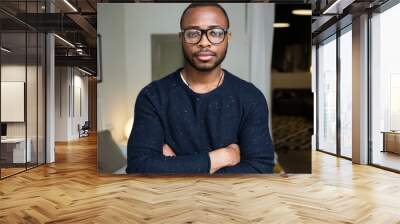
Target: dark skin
{"x": 203, "y": 76}
{"x": 204, "y": 73}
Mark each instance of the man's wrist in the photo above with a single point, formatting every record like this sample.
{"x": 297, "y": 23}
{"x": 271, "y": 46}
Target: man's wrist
{"x": 218, "y": 159}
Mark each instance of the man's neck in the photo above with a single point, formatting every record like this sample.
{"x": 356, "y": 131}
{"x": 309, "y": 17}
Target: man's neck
{"x": 199, "y": 78}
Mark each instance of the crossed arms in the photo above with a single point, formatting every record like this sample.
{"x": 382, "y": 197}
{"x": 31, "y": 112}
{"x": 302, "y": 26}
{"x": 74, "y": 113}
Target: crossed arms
{"x": 147, "y": 152}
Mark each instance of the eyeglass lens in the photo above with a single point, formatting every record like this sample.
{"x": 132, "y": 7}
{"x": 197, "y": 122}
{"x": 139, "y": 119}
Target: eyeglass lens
{"x": 215, "y": 36}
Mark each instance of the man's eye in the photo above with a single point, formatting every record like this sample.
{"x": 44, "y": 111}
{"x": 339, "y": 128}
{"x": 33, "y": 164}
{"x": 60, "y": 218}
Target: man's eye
{"x": 216, "y": 33}
{"x": 192, "y": 34}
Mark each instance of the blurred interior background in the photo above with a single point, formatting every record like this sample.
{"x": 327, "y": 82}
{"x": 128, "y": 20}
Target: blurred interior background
{"x": 53, "y": 60}
{"x": 149, "y": 48}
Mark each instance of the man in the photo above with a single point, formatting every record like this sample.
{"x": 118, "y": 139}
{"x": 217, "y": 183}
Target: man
{"x": 201, "y": 119}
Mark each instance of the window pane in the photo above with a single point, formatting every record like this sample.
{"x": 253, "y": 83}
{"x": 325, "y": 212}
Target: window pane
{"x": 14, "y": 153}
{"x": 327, "y": 96}
{"x": 385, "y": 84}
{"x": 346, "y": 94}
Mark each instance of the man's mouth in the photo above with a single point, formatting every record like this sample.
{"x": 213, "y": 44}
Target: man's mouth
{"x": 205, "y": 56}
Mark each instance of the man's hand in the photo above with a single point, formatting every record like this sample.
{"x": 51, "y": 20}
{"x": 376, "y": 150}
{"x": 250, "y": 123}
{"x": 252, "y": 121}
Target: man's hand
{"x": 227, "y": 156}
{"x": 167, "y": 151}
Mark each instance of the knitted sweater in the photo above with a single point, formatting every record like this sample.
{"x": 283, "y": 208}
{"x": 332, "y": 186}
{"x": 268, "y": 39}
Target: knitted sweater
{"x": 167, "y": 111}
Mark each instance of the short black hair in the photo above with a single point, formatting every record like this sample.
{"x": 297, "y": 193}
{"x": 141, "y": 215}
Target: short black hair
{"x": 204, "y": 4}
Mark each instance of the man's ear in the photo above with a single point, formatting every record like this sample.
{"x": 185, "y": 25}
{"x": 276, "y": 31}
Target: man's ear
{"x": 229, "y": 36}
{"x": 180, "y": 34}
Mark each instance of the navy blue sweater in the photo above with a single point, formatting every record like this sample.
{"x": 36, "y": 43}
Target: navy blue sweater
{"x": 167, "y": 111}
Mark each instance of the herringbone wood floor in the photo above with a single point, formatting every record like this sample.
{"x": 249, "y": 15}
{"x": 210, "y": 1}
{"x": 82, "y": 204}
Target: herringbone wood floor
{"x": 70, "y": 191}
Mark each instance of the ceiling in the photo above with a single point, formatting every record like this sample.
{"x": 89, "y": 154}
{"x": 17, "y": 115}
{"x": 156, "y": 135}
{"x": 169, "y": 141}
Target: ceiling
{"x": 72, "y": 20}
{"x": 332, "y": 15}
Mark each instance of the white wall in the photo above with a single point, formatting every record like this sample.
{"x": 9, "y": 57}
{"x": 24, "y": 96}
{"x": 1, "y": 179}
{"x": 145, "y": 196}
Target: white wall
{"x": 80, "y": 83}
{"x": 33, "y": 126}
{"x": 13, "y": 73}
{"x": 61, "y": 103}
{"x": 16, "y": 72}
{"x": 127, "y": 68}
{"x": 66, "y": 121}
{"x": 112, "y": 104}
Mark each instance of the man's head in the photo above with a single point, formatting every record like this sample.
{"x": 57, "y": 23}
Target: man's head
{"x": 205, "y": 36}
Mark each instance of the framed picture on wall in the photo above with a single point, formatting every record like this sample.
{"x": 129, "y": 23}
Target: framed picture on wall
{"x": 12, "y": 101}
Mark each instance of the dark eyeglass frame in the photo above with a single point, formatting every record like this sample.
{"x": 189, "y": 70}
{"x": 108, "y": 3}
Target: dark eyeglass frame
{"x": 204, "y": 31}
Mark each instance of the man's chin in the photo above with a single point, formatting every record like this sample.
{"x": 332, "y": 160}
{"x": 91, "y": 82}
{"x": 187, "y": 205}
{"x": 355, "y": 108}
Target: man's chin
{"x": 204, "y": 67}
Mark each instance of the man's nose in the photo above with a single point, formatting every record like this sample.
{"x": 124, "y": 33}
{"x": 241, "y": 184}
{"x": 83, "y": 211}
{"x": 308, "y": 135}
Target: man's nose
{"x": 204, "y": 40}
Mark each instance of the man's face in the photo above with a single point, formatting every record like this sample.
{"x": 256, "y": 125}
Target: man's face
{"x": 204, "y": 55}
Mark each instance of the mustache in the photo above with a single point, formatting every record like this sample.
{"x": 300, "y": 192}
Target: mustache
{"x": 205, "y": 51}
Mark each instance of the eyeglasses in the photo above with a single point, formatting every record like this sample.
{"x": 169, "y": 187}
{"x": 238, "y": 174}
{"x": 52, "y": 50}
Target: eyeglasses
{"x": 214, "y": 35}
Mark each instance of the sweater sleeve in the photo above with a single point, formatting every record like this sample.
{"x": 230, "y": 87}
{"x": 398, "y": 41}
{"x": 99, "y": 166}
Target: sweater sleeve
{"x": 256, "y": 148}
{"x": 147, "y": 138}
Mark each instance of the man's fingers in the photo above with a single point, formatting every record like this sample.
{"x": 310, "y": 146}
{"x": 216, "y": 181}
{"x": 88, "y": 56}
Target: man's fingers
{"x": 234, "y": 146}
{"x": 233, "y": 154}
{"x": 167, "y": 151}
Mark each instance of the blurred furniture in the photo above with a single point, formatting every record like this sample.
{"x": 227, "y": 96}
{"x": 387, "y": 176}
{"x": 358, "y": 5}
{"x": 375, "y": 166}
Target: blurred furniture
{"x": 84, "y": 130}
{"x": 13, "y": 150}
{"x": 111, "y": 155}
{"x": 123, "y": 148}
{"x": 391, "y": 141}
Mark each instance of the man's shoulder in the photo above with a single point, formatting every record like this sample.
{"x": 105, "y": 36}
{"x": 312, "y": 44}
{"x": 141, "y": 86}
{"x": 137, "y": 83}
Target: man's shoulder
{"x": 250, "y": 96}
{"x": 244, "y": 88}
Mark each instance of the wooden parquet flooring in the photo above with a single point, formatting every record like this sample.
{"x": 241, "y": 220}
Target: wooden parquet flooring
{"x": 71, "y": 191}
{"x": 10, "y": 171}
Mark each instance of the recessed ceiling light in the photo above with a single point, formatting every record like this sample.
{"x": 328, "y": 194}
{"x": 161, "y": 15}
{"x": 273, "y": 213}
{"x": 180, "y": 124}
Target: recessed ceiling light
{"x": 84, "y": 71}
{"x": 64, "y": 40}
{"x": 337, "y": 7}
{"x": 302, "y": 12}
{"x": 5, "y": 50}
{"x": 281, "y": 25}
{"x": 70, "y": 5}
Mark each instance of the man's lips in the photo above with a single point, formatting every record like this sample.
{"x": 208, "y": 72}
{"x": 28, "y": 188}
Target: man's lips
{"x": 204, "y": 56}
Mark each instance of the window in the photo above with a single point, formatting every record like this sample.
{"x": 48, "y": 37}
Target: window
{"x": 22, "y": 78}
{"x": 385, "y": 89}
{"x": 346, "y": 93}
{"x": 327, "y": 96}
